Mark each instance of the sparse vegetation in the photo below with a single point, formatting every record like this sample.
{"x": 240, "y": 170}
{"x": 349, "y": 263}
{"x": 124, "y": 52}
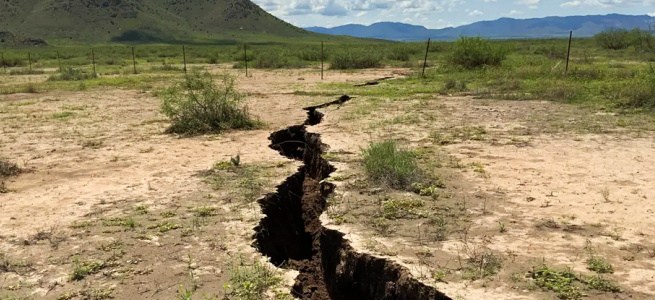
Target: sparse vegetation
{"x": 71, "y": 74}
{"x": 198, "y": 105}
{"x": 599, "y": 265}
{"x": 355, "y": 59}
{"x": 250, "y": 281}
{"x": 386, "y": 163}
{"x": 476, "y": 52}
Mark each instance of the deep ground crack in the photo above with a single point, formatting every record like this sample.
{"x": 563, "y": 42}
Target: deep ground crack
{"x": 292, "y": 235}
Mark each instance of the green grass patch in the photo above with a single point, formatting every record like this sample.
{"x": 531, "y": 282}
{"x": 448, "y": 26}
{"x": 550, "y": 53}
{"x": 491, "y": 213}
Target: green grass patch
{"x": 387, "y": 164}
{"x": 250, "y": 282}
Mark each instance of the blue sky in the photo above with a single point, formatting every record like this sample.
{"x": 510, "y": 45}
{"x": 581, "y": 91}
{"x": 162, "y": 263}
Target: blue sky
{"x": 440, "y": 13}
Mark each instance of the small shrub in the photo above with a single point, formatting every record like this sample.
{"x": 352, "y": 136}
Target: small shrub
{"x": 250, "y": 282}
{"x": 642, "y": 40}
{"x": 71, "y": 74}
{"x": 386, "y": 163}
{"x": 476, "y": 52}
{"x": 641, "y": 91}
{"x": 398, "y": 209}
{"x": 198, "y": 105}
{"x": 599, "y": 283}
{"x": 355, "y": 59}
{"x": 613, "y": 39}
{"x": 560, "y": 282}
{"x": 599, "y": 265}
{"x": 8, "y": 168}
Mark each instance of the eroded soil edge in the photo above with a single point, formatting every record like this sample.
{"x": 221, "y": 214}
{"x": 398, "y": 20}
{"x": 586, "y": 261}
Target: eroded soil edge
{"x": 292, "y": 235}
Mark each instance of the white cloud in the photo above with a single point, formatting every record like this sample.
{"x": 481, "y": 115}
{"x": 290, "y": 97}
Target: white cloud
{"x": 514, "y": 12}
{"x": 570, "y": 4}
{"x": 651, "y": 14}
{"x": 476, "y": 13}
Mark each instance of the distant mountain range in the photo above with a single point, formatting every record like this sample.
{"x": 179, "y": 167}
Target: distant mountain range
{"x": 582, "y": 26}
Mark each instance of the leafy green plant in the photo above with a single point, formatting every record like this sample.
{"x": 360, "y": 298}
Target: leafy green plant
{"x": 476, "y": 52}
{"x": 387, "y": 164}
{"x": 400, "y": 208}
{"x": 599, "y": 265}
{"x": 560, "y": 282}
{"x": 198, "y": 105}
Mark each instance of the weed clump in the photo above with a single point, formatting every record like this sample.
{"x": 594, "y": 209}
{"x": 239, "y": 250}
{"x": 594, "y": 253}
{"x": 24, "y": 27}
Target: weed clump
{"x": 476, "y": 52}
{"x": 198, "y": 105}
{"x": 386, "y": 163}
{"x": 71, "y": 74}
{"x": 8, "y": 168}
{"x": 358, "y": 59}
{"x": 250, "y": 282}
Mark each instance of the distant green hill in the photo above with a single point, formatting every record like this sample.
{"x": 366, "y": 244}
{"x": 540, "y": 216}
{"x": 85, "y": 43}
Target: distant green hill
{"x": 98, "y": 21}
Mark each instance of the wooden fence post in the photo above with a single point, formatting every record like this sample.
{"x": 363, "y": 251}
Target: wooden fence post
{"x": 93, "y": 60}
{"x": 29, "y": 57}
{"x": 568, "y": 54}
{"x": 4, "y": 63}
{"x": 322, "y": 58}
{"x": 425, "y": 61}
{"x": 59, "y": 62}
{"x": 133, "y": 60}
{"x": 184, "y": 55}
{"x": 245, "y": 57}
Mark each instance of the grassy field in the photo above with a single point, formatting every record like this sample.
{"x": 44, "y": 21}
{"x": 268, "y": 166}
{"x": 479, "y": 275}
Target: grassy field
{"x": 528, "y": 69}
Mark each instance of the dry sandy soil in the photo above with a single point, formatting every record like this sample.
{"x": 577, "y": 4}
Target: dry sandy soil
{"x": 105, "y": 185}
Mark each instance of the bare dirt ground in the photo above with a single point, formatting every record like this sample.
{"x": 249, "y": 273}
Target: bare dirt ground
{"x": 528, "y": 182}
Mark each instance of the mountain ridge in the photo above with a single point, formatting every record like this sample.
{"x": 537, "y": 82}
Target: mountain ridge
{"x": 157, "y": 20}
{"x": 554, "y": 26}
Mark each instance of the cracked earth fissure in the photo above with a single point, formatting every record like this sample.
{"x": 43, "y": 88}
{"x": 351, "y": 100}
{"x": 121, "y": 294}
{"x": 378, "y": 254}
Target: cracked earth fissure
{"x": 292, "y": 235}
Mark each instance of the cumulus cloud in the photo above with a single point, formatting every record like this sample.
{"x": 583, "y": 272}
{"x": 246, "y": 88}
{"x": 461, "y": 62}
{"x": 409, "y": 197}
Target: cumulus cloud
{"x": 570, "y": 4}
{"x": 476, "y": 13}
{"x": 334, "y": 9}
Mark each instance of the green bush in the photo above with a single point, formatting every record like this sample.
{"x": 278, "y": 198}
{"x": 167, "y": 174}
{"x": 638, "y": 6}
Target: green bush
{"x": 642, "y": 40}
{"x": 355, "y": 59}
{"x": 311, "y": 53}
{"x": 641, "y": 91}
{"x": 613, "y": 39}
{"x": 475, "y": 52}
{"x": 70, "y": 74}
{"x": 198, "y": 105}
{"x": 403, "y": 52}
{"x": 276, "y": 60}
{"x": 386, "y": 163}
